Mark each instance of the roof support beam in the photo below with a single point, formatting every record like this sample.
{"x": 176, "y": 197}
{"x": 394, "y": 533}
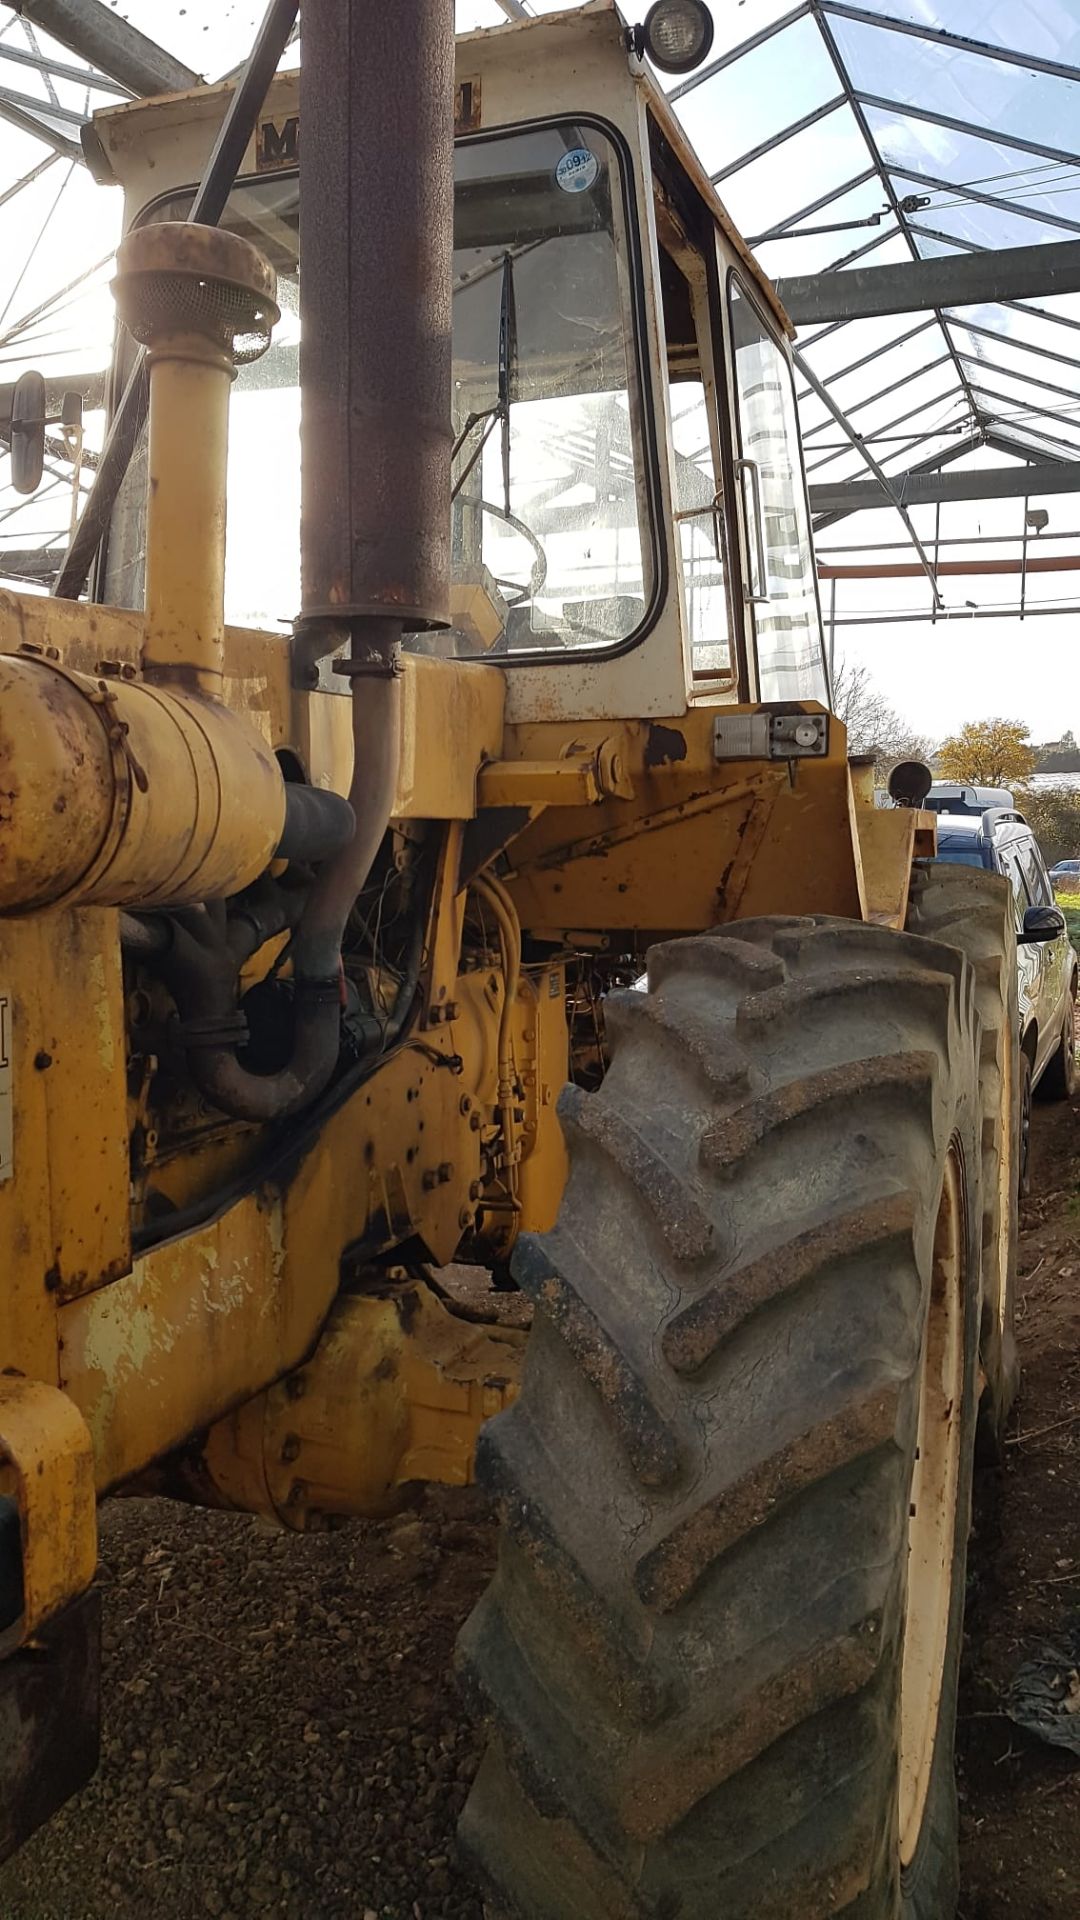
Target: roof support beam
{"x": 44, "y": 63}
{"x": 1027, "y": 417}
{"x": 976, "y": 368}
{"x": 956, "y": 280}
{"x": 41, "y": 130}
{"x": 29, "y": 104}
{"x": 932, "y": 464}
{"x": 927, "y": 489}
{"x": 97, "y": 34}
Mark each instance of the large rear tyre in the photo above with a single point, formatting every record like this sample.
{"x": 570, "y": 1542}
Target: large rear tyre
{"x": 714, "y": 1686}
{"x": 973, "y": 910}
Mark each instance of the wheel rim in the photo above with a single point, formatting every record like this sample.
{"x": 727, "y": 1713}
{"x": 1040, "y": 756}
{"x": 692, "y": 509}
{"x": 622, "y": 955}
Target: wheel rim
{"x": 932, "y": 1511}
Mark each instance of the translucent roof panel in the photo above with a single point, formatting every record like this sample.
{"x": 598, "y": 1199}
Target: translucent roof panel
{"x": 1049, "y": 29}
{"x": 758, "y": 96}
{"x": 959, "y": 127}
{"x": 843, "y": 134}
{"x": 953, "y": 83}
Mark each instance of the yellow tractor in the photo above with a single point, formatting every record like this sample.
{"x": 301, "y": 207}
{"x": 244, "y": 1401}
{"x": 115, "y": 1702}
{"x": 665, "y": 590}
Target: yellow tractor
{"x": 321, "y": 949}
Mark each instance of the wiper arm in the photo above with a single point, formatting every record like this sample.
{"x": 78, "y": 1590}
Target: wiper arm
{"x": 487, "y": 416}
{"x": 507, "y": 366}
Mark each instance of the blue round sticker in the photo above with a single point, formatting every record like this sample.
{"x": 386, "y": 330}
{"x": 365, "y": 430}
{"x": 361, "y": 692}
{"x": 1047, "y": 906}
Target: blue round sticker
{"x": 577, "y": 170}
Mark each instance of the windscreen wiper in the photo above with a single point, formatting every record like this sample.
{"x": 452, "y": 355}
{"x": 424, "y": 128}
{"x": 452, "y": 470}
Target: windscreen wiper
{"x": 500, "y": 412}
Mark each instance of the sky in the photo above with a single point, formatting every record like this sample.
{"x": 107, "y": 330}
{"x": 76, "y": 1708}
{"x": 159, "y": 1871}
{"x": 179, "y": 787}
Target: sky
{"x": 936, "y": 676}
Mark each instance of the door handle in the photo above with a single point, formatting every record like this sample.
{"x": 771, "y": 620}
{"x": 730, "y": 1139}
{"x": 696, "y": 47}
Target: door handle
{"x": 742, "y": 468}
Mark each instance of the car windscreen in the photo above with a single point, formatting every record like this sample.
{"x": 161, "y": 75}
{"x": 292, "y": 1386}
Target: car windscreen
{"x": 962, "y": 853}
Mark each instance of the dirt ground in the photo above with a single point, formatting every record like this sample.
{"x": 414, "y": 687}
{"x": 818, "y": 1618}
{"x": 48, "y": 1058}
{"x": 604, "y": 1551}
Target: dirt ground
{"x": 1020, "y": 1799}
{"x": 282, "y": 1735}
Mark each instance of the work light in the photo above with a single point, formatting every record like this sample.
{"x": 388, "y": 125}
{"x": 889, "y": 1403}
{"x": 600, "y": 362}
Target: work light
{"x": 677, "y": 34}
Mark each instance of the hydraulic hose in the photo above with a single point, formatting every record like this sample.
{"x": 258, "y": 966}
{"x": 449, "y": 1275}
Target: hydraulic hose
{"x": 200, "y": 970}
{"x": 376, "y": 728}
{"x": 496, "y": 897}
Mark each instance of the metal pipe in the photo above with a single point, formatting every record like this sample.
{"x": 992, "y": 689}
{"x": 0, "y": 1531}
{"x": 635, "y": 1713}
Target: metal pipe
{"x": 376, "y": 717}
{"x": 377, "y": 215}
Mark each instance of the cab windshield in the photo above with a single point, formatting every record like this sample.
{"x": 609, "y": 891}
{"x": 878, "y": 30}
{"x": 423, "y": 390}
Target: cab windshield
{"x": 552, "y": 543}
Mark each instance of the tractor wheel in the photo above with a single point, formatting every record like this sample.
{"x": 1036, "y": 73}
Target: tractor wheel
{"x": 719, "y": 1654}
{"x": 973, "y": 910}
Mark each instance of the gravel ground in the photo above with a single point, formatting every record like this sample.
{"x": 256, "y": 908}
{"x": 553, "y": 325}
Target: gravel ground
{"x": 282, "y": 1734}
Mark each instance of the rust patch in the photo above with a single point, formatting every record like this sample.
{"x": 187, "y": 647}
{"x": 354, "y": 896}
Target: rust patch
{"x": 664, "y": 746}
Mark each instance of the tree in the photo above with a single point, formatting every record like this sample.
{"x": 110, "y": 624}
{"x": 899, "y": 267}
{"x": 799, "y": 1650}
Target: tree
{"x": 1053, "y": 814}
{"x": 873, "y": 726}
{"x": 988, "y": 753}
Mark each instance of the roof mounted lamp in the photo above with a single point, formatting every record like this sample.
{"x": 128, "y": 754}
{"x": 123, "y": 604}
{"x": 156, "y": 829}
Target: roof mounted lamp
{"x": 909, "y": 783}
{"x": 676, "y": 35}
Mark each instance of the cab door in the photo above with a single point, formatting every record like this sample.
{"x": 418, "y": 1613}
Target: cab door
{"x": 779, "y": 571}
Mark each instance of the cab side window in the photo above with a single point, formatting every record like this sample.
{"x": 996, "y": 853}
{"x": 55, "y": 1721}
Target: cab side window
{"x": 782, "y": 585}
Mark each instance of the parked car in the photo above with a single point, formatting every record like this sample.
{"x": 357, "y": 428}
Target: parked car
{"x": 1066, "y": 876}
{"x": 949, "y": 796}
{"x": 1001, "y": 841}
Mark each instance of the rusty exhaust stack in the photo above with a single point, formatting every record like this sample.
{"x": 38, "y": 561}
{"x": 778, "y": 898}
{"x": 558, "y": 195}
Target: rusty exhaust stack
{"x": 376, "y": 215}
{"x": 376, "y": 219}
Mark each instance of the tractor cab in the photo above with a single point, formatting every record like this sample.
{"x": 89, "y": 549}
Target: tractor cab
{"x": 630, "y": 530}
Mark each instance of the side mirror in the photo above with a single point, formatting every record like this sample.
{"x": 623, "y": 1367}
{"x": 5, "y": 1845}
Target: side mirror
{"x": 23, "y": 420}
{"x": 28, "y": 432}
{"x": 1041, "y": 923}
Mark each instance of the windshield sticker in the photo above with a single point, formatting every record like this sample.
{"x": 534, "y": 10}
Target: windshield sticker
{"x": 577, "y": 170}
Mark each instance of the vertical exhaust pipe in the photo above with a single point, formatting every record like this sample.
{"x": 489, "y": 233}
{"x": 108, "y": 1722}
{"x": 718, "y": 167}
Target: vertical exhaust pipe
{"x": 376, "y": 219}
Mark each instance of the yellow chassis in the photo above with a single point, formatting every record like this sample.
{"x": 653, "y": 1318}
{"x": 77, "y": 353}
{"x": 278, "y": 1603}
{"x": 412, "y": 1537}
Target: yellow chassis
{"x": 608, "y": 827}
